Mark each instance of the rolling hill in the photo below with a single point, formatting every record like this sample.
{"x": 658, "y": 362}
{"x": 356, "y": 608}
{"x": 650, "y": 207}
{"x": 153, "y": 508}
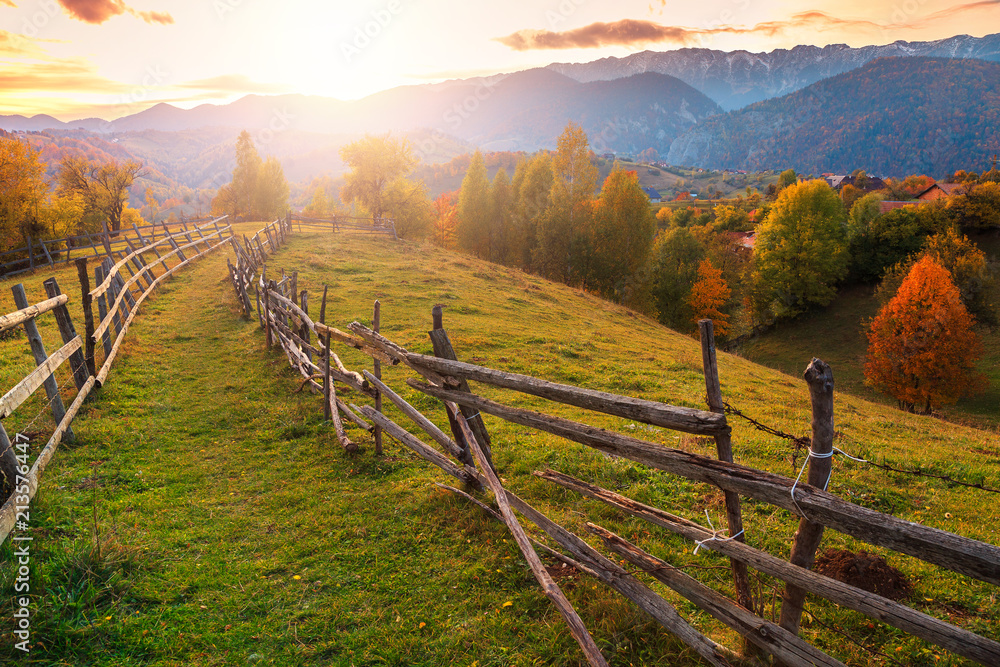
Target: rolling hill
{"x": 232, "y": 510}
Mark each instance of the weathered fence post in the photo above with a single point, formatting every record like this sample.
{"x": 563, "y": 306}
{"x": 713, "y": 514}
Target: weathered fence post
{"x": 326, "y": 360}
{"x": 102, "y": 308}
{"x": 819, "y": 377}
{"x": 443, "y": 348}
{"x": 266, "y": 307}
{"x": 68, "y": 333}
{"x": 173, "y": 244}
{"x": 304, "y": 328}
{"x": 376, "y": 326}
{"x": 88, "y": 313}
{"x": 106, "y": 238}
{"x": 724, "y": 448}
{"x": 38, "y": 351}
{"x": 45, "y": 250}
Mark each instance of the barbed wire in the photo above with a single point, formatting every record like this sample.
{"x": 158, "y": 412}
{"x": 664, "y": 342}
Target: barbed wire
{"x": 802, "y": 442}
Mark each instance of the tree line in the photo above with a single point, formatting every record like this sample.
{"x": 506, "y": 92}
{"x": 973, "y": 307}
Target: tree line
{"x": 84, "y": 195}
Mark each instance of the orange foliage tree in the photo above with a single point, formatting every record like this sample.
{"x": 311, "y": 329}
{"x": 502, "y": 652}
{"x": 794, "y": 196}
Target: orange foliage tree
{"x": 921, "y": 346}
{"x": 708, "y": 294}
{"x": 445, "y": 218}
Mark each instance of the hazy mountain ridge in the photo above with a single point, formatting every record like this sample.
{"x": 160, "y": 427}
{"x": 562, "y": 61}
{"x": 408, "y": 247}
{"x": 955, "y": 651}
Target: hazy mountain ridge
{"x": 735, "y": 79}
{"x": 893, "y": 116}
{"x": 623, "y": 105}
{"x": 522, "y": 111}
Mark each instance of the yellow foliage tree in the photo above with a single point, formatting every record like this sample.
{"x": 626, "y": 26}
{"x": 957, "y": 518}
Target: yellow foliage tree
{"x": 22, "y": 191}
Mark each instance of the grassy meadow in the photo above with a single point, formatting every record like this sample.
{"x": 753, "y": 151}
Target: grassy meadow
{"x": 207, "y": 516}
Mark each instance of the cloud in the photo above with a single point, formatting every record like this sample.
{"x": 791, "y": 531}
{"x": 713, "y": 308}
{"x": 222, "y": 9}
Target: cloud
{"x": 630, "y": 32}
{"x": 163, "y": 18}
{"x": 61, "y": 76}
{"x": 955, "y": 10}
{"x": 99, "y": 11}
{"x": 13, "y": 45}
{"x": 234, "y": 83}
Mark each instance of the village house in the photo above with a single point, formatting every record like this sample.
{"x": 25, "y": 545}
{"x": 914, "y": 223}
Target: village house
{"x": 941, "y": 191}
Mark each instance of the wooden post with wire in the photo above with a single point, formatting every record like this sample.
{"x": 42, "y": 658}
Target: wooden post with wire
{"x": 819, "y": 377}
{"x": 724, "y": 449}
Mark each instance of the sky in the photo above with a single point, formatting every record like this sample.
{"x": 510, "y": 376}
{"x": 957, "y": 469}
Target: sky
{"x": 111, "y": 58}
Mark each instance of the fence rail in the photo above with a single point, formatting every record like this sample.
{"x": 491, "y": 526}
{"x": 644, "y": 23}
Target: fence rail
{"x": 122, "y": 286}
{"x": 49, "y": 252}
{"x": 465, "y": 455}
{"x": 345, "y": 222}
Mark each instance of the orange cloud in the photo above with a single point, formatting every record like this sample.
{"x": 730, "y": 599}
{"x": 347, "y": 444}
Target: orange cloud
{"x": 959, "y": 9}
{"x": 61, "y": 76}
{"x": 630, "y": 32}
{"x": 99, "y": 11}
{"x": 234, "y": 83}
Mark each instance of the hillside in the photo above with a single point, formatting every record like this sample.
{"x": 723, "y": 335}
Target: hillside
{"x": 838, "y": 333}
{"x": 894, "y": 116}
{"x": 244, "y": 535}
{"x": 736, "y": 79}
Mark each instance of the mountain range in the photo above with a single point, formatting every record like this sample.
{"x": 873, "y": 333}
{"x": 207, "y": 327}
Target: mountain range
{"x": 890, "y": 109}
{"x": 891, "y": 116}
{"x": 735, "y": 79}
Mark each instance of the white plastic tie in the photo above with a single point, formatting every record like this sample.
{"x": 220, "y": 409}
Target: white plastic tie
{"x": 715, "y": 535}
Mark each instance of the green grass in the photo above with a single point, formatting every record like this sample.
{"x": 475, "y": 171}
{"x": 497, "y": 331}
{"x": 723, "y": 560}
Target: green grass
{"x": 234, "y": 530}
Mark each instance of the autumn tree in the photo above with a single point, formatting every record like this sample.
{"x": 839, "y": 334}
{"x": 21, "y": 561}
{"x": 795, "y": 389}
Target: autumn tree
{"x": 787, "y": 178}
{"x": 375, "y": 162}
{"x": 500, "y": 226}
{"x": 103, "y": 187}
{"x": 319, "y": 205}
{"x": 922, "y": 350}
{"x": 891, "y": 238}
{"x": 445, "y": 215}
{"x": 978, "y": 209}
{"x": 708, "y": 295}
{"x": 152, "y": 204}
{"x": 532, "y": 187}
{"x": 619, "y": 236}
{"x": 271, "y": 197}
{"x": 801, "y": 250}
{"x": 573, "y": 184}
{"x": 22, "y": 191}
{"x": 966, "y": 263}
{"x": 224, "y": 201}
{"x": 243, "y": 187}
{"x": 730, "y": 219}
{"x": 675, "y": 270}
{"x": 473, "y": 228}
{"x": 862, "y": 213}
{"x": 407, "y": 203}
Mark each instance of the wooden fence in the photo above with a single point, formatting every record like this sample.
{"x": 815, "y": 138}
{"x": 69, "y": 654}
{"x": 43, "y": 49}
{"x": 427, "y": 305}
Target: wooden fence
{"x": 346, "y": 223}
{"x": 466, "y": 455}
{"x": 122, "y": 286}
{"x": 49, "y": 252}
